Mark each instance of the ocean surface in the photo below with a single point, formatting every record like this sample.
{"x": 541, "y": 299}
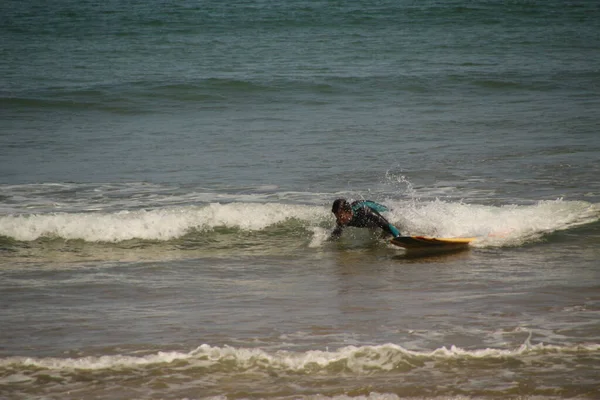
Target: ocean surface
{"x": 167, "y": 170}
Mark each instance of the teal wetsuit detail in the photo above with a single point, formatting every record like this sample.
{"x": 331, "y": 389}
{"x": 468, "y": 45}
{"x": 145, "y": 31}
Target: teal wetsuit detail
{"x": 371, "y": 204}
{"x": 395, "y": 231}
{"x": 378, "y": 208}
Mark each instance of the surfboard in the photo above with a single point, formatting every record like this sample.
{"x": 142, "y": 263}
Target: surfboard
{"x": 431, "y": 243}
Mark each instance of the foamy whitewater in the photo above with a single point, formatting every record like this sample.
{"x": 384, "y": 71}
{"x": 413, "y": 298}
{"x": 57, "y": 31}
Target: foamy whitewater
{"x": 353, "y": 359}
{"x": 167, "y": 171}
{"x": 492, "y": 225}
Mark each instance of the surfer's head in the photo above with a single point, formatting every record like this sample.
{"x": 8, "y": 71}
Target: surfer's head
{"x": 342, "y": 211}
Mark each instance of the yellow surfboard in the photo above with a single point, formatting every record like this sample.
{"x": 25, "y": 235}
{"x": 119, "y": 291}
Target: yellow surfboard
{"x": 431, "y": 243}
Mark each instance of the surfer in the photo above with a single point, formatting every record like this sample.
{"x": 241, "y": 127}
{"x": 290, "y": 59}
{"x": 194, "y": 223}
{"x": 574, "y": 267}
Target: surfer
{"x": 360, "y": 214}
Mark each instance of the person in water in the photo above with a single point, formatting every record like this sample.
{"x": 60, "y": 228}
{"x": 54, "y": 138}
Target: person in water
{"x": 361, "y": 214}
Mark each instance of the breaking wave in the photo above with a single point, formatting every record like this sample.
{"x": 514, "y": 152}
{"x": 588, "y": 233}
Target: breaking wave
{"x": 492, "y": 225}
{"x": 352, "y": 359}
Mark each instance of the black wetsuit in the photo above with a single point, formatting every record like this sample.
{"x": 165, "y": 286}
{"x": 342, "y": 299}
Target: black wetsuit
{"x": 365, "y": 217}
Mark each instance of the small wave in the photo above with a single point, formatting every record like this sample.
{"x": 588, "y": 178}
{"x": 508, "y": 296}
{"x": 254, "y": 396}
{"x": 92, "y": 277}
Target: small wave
{"x": 354, "y": 359}
{"x": 39, "y": 102}
{"x": 493, "y": 226}
{"x": 161, "y": 224}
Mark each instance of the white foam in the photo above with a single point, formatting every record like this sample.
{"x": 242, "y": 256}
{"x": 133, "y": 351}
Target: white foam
{"x": 320, "y": 236}
{"x": 354, "y": 358}
{"x": 160, "y": 224}
{"x": 95, "y": 363}
{"x": 492, "y": 225}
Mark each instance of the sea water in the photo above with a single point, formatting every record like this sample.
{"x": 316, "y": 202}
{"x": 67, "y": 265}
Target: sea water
{"x": 167, "y": 171}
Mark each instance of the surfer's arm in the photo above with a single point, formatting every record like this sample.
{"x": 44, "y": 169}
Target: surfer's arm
{"x": 337, "y": 232}
{"x": 383, "y": 223}
{"x": 393, "y": 230}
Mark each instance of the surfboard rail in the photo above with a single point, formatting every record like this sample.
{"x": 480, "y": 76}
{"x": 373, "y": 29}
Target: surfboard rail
{"x": 427, "y": 242}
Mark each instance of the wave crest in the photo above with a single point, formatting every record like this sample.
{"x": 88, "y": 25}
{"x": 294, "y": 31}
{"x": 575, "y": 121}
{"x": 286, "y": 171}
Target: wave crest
{"x": 160, "y": 224}
{"x": 350, "y": 359}
{"x": 494, "y": 226}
